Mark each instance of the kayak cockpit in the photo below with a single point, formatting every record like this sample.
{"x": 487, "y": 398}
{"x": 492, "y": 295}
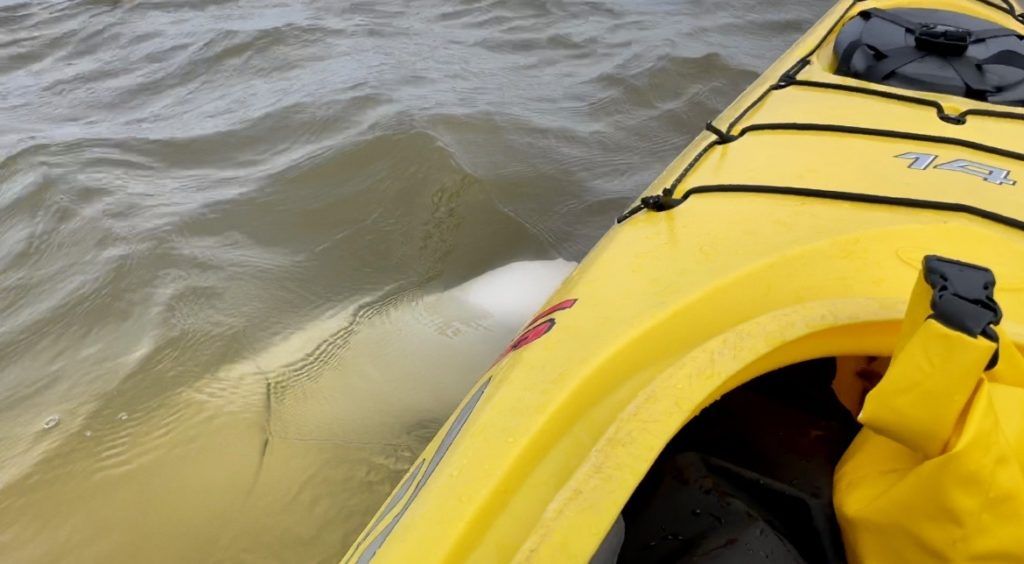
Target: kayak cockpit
{"x": 750, "y": 478}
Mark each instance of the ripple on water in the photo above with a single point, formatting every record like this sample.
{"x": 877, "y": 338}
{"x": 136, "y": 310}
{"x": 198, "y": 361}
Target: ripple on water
{"x": 228, "y": 226}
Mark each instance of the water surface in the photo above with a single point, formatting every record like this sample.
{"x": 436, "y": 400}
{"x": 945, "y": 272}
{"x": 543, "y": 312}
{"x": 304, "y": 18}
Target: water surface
{"x": 227, "y": 229}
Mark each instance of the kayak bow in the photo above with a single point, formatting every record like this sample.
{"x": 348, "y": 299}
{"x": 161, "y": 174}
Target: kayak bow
{"x": 792, "y": 229}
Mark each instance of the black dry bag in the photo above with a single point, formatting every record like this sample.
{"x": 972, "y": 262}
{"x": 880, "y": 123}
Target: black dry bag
{"x": 934, "y": 51}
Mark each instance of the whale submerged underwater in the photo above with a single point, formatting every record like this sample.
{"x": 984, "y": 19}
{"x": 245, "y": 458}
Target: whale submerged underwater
{"x": 342, "y": 404}
{"x": 407, "y": 361}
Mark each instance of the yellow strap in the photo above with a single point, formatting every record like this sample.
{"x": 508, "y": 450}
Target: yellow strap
{"x": 1010, "y": 370}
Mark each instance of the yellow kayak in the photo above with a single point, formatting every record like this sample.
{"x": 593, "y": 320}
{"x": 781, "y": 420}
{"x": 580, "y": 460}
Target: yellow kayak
{"x": 746, "y": 304}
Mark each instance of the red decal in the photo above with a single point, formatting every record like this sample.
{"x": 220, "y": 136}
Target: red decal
{"x": 565, "y": 304}
{"x": 537, "y": 327}
{"x": 532, "y": 334}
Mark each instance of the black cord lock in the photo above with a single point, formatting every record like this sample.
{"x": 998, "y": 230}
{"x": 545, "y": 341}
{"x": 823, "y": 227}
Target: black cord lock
{"x": 655, "y": 202}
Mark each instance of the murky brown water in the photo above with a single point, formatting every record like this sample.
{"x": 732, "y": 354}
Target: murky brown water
{"x": 227, "y": 229}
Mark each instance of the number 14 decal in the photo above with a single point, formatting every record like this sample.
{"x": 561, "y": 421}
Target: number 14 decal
{"x": 988, "y": 173}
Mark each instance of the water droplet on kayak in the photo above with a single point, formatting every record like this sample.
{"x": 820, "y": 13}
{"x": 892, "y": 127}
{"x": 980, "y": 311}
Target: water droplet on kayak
{"x": 51, "y": 422}
{"x": 122, "y": 416}
{"x": 88, "y": 433}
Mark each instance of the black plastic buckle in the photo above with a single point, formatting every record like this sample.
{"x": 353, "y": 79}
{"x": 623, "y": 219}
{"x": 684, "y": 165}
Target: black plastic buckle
{"x": 963, "y": 298}
{"x": 942, "y": 40}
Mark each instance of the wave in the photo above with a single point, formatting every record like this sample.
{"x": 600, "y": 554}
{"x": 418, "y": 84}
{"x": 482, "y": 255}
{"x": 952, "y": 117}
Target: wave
{"x": 224, "y": 222}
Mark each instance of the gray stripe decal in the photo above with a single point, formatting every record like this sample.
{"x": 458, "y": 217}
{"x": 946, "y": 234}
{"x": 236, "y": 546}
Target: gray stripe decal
{"x": 446, "y": 442}
{"x": 399, "y": 495}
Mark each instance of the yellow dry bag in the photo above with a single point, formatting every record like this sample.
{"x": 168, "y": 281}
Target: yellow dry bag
{"x": 936, "y": 472}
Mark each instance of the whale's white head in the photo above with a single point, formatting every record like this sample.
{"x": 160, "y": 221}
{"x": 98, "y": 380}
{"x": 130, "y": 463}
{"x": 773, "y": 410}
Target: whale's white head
{"x": 514, "y": 292}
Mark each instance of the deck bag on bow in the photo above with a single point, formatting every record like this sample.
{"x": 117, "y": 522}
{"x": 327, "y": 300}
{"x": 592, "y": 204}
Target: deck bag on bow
{"x": 934, "y": 51}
